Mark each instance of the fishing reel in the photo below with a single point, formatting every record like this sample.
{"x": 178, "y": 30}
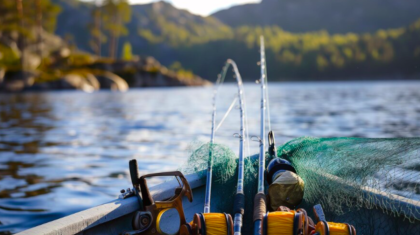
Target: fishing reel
{"x": 148, "y": 219}
{"x": 286, "y": 221}
{"x": 210, "y": 223}
{"x": 330, "y": 228}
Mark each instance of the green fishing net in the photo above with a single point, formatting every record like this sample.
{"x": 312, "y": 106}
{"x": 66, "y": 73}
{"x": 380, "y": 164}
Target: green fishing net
{"x": 373, "y": 184}
{"x": 225, "y": 177}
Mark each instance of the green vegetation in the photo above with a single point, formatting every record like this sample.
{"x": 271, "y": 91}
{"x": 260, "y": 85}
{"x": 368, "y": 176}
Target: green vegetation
{"x": 309, "y": 55}
{"x": 31, "y": 57}
{"x": 343, "y": 16}
{"x": 320, "y": 54}
{"x": 24, "y": 23}
{"x": 127, "y": 54}
{"x": 98, "y": 37}
{"x": 202, "y": 44}
{"x": 180, "y": 71}
{"x": 116, "y": 13}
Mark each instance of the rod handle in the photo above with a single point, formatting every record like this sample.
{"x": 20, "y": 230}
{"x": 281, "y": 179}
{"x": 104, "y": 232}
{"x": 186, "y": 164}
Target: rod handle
{"x": 260, "y": 207}
{"x": 239, "y": 204}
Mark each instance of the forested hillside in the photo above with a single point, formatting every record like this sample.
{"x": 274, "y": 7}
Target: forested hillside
{"x": 184, "y": 41}
{"x": 33, "y": 58}
{"x": 343, "y": 16}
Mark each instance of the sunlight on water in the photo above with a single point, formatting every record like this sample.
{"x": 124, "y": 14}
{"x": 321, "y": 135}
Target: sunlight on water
{"x": 62, "y": 152}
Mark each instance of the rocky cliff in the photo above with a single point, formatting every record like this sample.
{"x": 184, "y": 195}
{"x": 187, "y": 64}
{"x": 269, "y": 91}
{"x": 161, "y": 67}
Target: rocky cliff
{"x": 52, "y": 64}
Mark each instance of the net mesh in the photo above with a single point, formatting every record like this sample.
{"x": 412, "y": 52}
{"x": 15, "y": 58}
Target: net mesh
{"x": 373, "y": 184}
{"x": 225, "y": 176}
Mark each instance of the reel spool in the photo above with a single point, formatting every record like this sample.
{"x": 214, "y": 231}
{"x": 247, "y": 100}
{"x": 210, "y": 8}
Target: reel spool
{"x": 285, "y": 223}
{"x": 211, "y": 224}
{"x": 330, "y": 228}
{"x": 148, "y": 219}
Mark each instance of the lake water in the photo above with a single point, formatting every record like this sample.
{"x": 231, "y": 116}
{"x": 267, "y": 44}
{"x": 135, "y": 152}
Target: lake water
{"x": 62, "y": 152}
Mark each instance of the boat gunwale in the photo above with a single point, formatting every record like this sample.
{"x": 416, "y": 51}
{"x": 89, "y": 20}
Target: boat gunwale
{"x": 95, "y": 216}
{"x": 92, "y": 217}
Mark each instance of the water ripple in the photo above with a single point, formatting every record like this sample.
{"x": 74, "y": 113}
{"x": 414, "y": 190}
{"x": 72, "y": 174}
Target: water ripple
{"x": 62, "y": 152}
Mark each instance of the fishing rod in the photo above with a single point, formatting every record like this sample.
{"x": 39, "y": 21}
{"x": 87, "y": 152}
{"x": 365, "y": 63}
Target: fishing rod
{"x": 208, "y": 222}
{"x": 219, "y": 82}
{"x": 260, "y": 199}
{"x": 210, "y": 159}
{"x": 239, "y": 202}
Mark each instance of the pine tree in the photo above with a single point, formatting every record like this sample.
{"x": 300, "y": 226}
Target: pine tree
{"x": 39, "y": 26}
{"x": 116, "y": 14}
{"x": 27, "y": 20}
{"x": 97, "y": 36}
{"x": 19, "y": 8}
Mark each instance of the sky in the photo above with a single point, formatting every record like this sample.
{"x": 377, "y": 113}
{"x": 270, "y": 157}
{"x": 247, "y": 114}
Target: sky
{"x": 201, "y": 7}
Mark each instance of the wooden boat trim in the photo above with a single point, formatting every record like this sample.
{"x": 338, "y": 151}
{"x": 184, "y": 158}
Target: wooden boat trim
{"x": 95, "y": 216}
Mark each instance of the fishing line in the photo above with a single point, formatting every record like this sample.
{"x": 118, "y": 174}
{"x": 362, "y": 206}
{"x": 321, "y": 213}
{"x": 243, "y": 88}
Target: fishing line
{"x": 227, "y": 113}
{"x": 334, "y": 228}
{"x": 215, "y": 223}
{"x": 280, "y": 223}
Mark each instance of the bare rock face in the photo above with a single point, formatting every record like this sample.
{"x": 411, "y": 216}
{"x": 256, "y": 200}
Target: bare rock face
{"x": 31, "y": 61}
{"x": 17, "y": 81}
{"x": 93, "y": 81}
{"x": 75, "y": 81}
{"x": 112, "y": 81}
{"x": 147, "y": 72}
{"x": 61, "y": 53}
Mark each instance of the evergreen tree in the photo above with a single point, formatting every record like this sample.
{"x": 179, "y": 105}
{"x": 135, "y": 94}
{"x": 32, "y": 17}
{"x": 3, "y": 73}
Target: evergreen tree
{"x": 97, "y": 36}
{"x": 27, "y": 19}
{"x": 116, "y": 14}
{"x": 39, "y": 26}
{"x": 46, "y": 14}
{"x": 19, "y": 8}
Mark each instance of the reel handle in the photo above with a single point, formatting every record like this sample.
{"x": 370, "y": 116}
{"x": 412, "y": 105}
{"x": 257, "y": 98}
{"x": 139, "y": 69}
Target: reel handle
{"x": 148, "y": 219}
{"x": 147, "y": 198}
{"x": 134, "y": 174}
{"x": 319, "y": 213}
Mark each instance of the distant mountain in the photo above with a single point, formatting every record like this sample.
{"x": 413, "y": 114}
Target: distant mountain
{"x": 155, "y": 28}
{"x": 335, "y": 16}
{"x": 202, "y": 44}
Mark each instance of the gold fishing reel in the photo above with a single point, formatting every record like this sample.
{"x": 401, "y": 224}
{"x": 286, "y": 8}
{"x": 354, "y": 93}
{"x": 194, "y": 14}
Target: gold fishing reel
{"x": 148, "y": 220}
{"x": 286, "y": 221}
{"x": 330, "y": 228}
{"x": 212, "y": 223}
{"x": 209, "y": 223}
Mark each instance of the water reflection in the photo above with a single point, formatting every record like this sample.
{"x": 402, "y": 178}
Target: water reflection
{"x": 62, "y": 152}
